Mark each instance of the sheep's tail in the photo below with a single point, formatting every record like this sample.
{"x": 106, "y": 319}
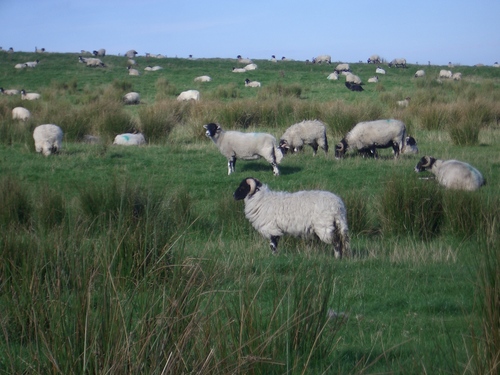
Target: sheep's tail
{"x": 342, "y": 240}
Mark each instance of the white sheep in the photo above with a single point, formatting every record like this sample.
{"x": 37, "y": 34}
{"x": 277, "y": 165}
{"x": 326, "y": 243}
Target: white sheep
{"x": 29, "y": 95}
{"x": 100, "y": 52}
{"x": 305, "y": 213}
{"x": 239, "y": 70}
{"x": 457, "y": 76}
{"x": 373, "y": 79}
{"x": 398, "y": 63}
{"x": 129, "y": 139}
{"x": 48, "y": 139}
{"x": 374, "y": 59}
{"x": 333, "y": 76}
{"x": 91, "y": 61}
{"x": 246, "y": 146}
{"x": 379, "y": 70}
{"x": 131, "y": 54}
{"x": 404, "y": 103}
{"x": 496, "y": 65}
{"x": 250, "y": 67}
{"x": 410, "y": 146}
{"x": 419, "y": 73}
{"x": 39, "y": 50}
{"x": 445, "y": 73}
{"x": 452, "y": 174}
{"x": 249, "y": 83}
{"x": 153, "y": 68}
{"x": 273, "y": 59}
{"x": 367, "y": 136}
{"x": 9, "y": 91}
{"x": 203, "y": 79}
{"x": 131, "y": 62}
{"x": 322, "y": 59}
{"x": 20, "y": 113}
{"x": 307, "y": 132}
{"x": 20, "y": 66}
{"x": 32, "y": 64}
{"x": 242, "y": 60}
{"x": 189, "y": 95}
{"x": 132, "y": 98}
{"x": 132, "y": 71}
{"x": 342, "y": 68}
{"x": 353, "y": 78}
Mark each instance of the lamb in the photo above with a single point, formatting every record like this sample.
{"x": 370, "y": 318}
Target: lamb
{"x": 398, "y": 63}
{"x": 307, "y": 132}
{"x": 333, "y": 76}
{"x": 457, "y": 76}
{"x": 419, "y": 73}
{"x": 410, "y": 146}
{"x": 305, "y": 213}
{"x": 48, "y": 139}
{"x": 379, "y": 70}
{"x": 246, "y": 146}
{"x": 131, "y": 54}
{"x": 189, "y": 95}
{"x": 20, "y": 113}
{"x": 354, "y": 86}
{"x": 374, "y": 59}
{"x": 353, "y": 78}
{"x": 342, "y": 68}
{"x": 129, "y": 139}
{"x": 239, "y": 70}
{"x": 242, "y": 60}
{"x": 445, "y": 73}
{"x": 9, "y": 92}
{"x": 132, "y": 98}
{"x": 250, "y": 67}
{"x": 452, "y": 174}
{"x": 369, "y": 135}
{"x": 322, "y": 59}
{"x": 373, "y": 79}
{"x": 249, "y": 83}
{"x": 100, "y": 52}
{"x": 404, "y": 103}
{"x": 203, "y": 79}
{"x": 132, "y": 71}
{"x": 29, "y": 95}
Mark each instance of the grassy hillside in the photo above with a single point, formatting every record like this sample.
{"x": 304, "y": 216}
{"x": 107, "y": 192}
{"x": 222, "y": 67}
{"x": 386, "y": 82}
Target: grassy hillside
{"x": 138, "y": 260}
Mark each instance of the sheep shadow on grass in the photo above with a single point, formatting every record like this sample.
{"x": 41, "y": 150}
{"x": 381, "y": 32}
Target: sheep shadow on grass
{"x": 259, "y": 167}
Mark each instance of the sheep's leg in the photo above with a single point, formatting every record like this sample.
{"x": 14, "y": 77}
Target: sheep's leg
{"x": 274, "y": 244}
{"x": 230, "y": 165}
{"x": 315, "y": 148}
{"x": 276, "y": 171}
{"x": 395, "y": 149}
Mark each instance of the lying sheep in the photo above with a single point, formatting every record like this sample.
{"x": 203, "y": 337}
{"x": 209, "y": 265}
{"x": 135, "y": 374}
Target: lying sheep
{"x": 398, "y": 63}
{"x": 333, "y": 76}
{"x": 452, "y": 174}
{"x": 410, "y": 146}
{"x": 445, "y": 73}
{"x": 419, "y": 73}
{"x": 273, "y": 59}
{"x": 307, "y": 132}
{"x": 131, "y": 54}
{"x": 246, "y": 146}
{"x": 132, "y": 71}
{"x": 150, "y": 68}
{"x": 129, "y": 139}
{"x": 239, "y": 70}
{"x": 354, "y": 86}
{"x": 131, "y": 62}
{"x": 322, "y": 59}
{"x": 203, "y": 79}
{"x": 249, "y": 83}
{"x": 374, "y": 59}
{"x": 189, "y": 95}
{"x": 132, "y": 98}
{"x": 9, "y": 92}
{"x": 91, "y": 61}
{"x": 29, "y": 95}
{"x": 32, "y": 64}
{"x": 20, "y": 66}
{"x": 404, "y": 103}
{"x": 373, "y": 79}
{"x": 353, "y": 78}
{"x": 379, "y": 70}
{"x": 242, "y": 60}
{"x": 496, "y": 64}
{"x": 20, "y": 113}
{"x": 250, "y": 67}
{"x": 457, "y": 76}
{"x": 367, "y": 136}
{"x": 305, "y": 213}
{"x": 342, "y": 68}
{"x": 101, "y": 52}
{"x": 39, "y": 50}
{"x": 48, "y": 139}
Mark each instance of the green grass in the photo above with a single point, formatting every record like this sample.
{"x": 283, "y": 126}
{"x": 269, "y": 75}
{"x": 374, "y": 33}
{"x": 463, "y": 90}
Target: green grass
{"x": 138, "y": 260}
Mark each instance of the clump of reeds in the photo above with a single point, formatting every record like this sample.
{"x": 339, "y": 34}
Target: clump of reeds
{"x": 15, "y": 201}
{"x": 158, "y": 120}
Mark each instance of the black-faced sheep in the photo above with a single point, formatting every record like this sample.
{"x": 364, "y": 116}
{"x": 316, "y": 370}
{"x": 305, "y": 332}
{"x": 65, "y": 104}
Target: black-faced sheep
{"x": 398, "y": 63}
{"x": 9, "y": 92}
{"x": 445, "y": 73}
{"x": 322, "y": 59}
{"x": 373, "y": 79}
{"x": 132, "y": 71}
{"x": 249, "y": 83}
{"x": 29, "y": 95}
{"x": 333, "y": 76}
{"x": 100, "y": 52}
{"x": 91, "y": 61}
{"x": 307, "y": 132}
{"x": 246, "y": 146}
{"x": 305, "y": 213}
{"x": 129, "y": 139}
{"x": 452, "y": 174}
{"x": 374, "y": 59}
{"x": 242, "y": 60}
{"x": 419, "y": 73}
{"x": 131, "y": 54}
{"x": 379, "y": 70}
{"x": 410, "y": 146}
{"x": 367, "y": 136}
{"x": 132, "y": 98}
{"x": 342, "y": 68}
{"x": 48, "y": 139}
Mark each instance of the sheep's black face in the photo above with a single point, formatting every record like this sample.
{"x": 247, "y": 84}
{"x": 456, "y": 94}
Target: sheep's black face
{"x": 247, "y": 187}
{"x": 283, "y": 146}
{"x": 410, "y": 141}
{"x": 211, "y": 129}
{"x": 424, "y": 163}
{"x": 340, "y": 149}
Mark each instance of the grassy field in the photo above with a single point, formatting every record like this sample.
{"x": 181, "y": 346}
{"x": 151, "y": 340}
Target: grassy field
{"x": 137, "y": 259}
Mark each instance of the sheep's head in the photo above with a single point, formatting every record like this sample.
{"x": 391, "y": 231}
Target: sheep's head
{"x": 341, "y": 149}
{"x": 248, "y": 187}
{"x": 425, "y": 163}
{"x": 284, "y": 146}
{"x": 212, "y": 129}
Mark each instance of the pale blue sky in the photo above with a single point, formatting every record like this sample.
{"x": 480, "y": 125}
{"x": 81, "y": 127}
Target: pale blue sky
{"x": 463, "y": 32}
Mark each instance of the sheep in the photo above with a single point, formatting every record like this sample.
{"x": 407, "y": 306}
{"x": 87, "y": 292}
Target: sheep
{"x": 10, "y": 50}
{"x": 496, "y": 65}
{"x": 29, "y": 95}
{"x": 273, "y": 59}
{"x": 159, "y": 56}
{"x": 404, "y": 103}
{"x": 398, "y": 63}
{"x": 91, "y": 61}
{"x": 48, "y": 139}
{"x": 419, "y": 73}
{"x": 246, "y": 146}
{"x": 203, "y": 79}
{"x": 242, "y": 60}
{"x": 305, "y": 213}
{"x": 379, "y": 70}
{"x": 457, "y": 76}
{"x": 250, "y": 67}
{"x": 32, "y": 64}
{"x": 101, "y": 52}
{"x": 353, "y": 79}
{"x": 374, "y": 59}
{"x": 333, "y": 76}
{"x": 342, "y": 68}
{"x": 445, "y": 73}
{"x": 150, "y": 68}
{"x": 373, "y": 79}
{"x": 131, "y": 62}
{"x": 129, "y": 139}
{"x": 354, "y": 86}
{"x": 131, "y": 54}
{"x": 452, "y": 174}
{"x": 132, "y": 71}
{"x": 132, "y": 98}
{"x": 307, "y": 132}
{"x": 20, "y": 66}
{"x": 189, "y": 95}
{"x": 410, "y": 146}
{"x": 20, "y": 113}
{"x": 239, "y": 70}
{"x": 322, "y": 59}
{"x": 39, "y": 50}
{"x": 367, "y": 136}
{"x": 249, "y": 83}
{"x": 9, "y": 92}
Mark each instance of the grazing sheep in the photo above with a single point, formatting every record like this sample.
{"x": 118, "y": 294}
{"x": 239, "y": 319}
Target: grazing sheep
{"x": 354, "y": 86}
{"x": 129, "y": 139}
{"x": 374, "y": 59}
{"x": 242, "y": 60}
{"x": 342, "y": 68}
{"x": 307, "y": 132}
{"x": 189, "y": 95}
{"x": 305, "y": 213}
{"x": 203, "y": 79}
{"x": 367, "y": 136}
{"x": 322, "y": 59}
{"x": 285, "y": 59}
{"x": 239, "y": 70}
{"x": 101, "y": 52}
{"x": 20, "y": 66}
{"x": 250, "y": 67}
{"x": 333, "y": 76}
{"x": 353, "y": 78}
{"x": 39, "y": 50}
{"x": 132, "y": 98}
{"x": 91, "y": 61}
{"x": 452, "y": 174}
{"x": 457, "y": 76}
{"x": 246, "y": 146}
{"x": 373, "y": 79}
{"x": 20, "y": 113}
{"x": 496, "y": 65}
{"x": 131, "y": 54}
{"x": 32, "y": 64}
{"x": 445, "y": 73}
{"x": 9, "y": 92}
{"x": 48, "y": 139}
{"x": 10, "y": 50}
{"x": 410, "y": 146}
{"x": 132, "y": 71}
{"x": 398, "y": 63}
{"x": 419, "y": 73}
{"x": 273, "y": 59}
{"x": 131, "y": 62}
{"x": 249, "y": 83}
{"x": 29, "y": 95}
{"x": 404, "y": 103}
{"x": 379, "y": 70}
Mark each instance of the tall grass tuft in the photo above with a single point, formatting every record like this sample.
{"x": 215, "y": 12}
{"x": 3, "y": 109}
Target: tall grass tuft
{"x": 15, "y": 201}
{"x": 164, "y": 88}
{"x": 433, "y": 116}
{"x": 158, "y": 120}
{"x": 467, "y": 118}
{"x": 358, "y": 217}
{"x": 278, "y": 89}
